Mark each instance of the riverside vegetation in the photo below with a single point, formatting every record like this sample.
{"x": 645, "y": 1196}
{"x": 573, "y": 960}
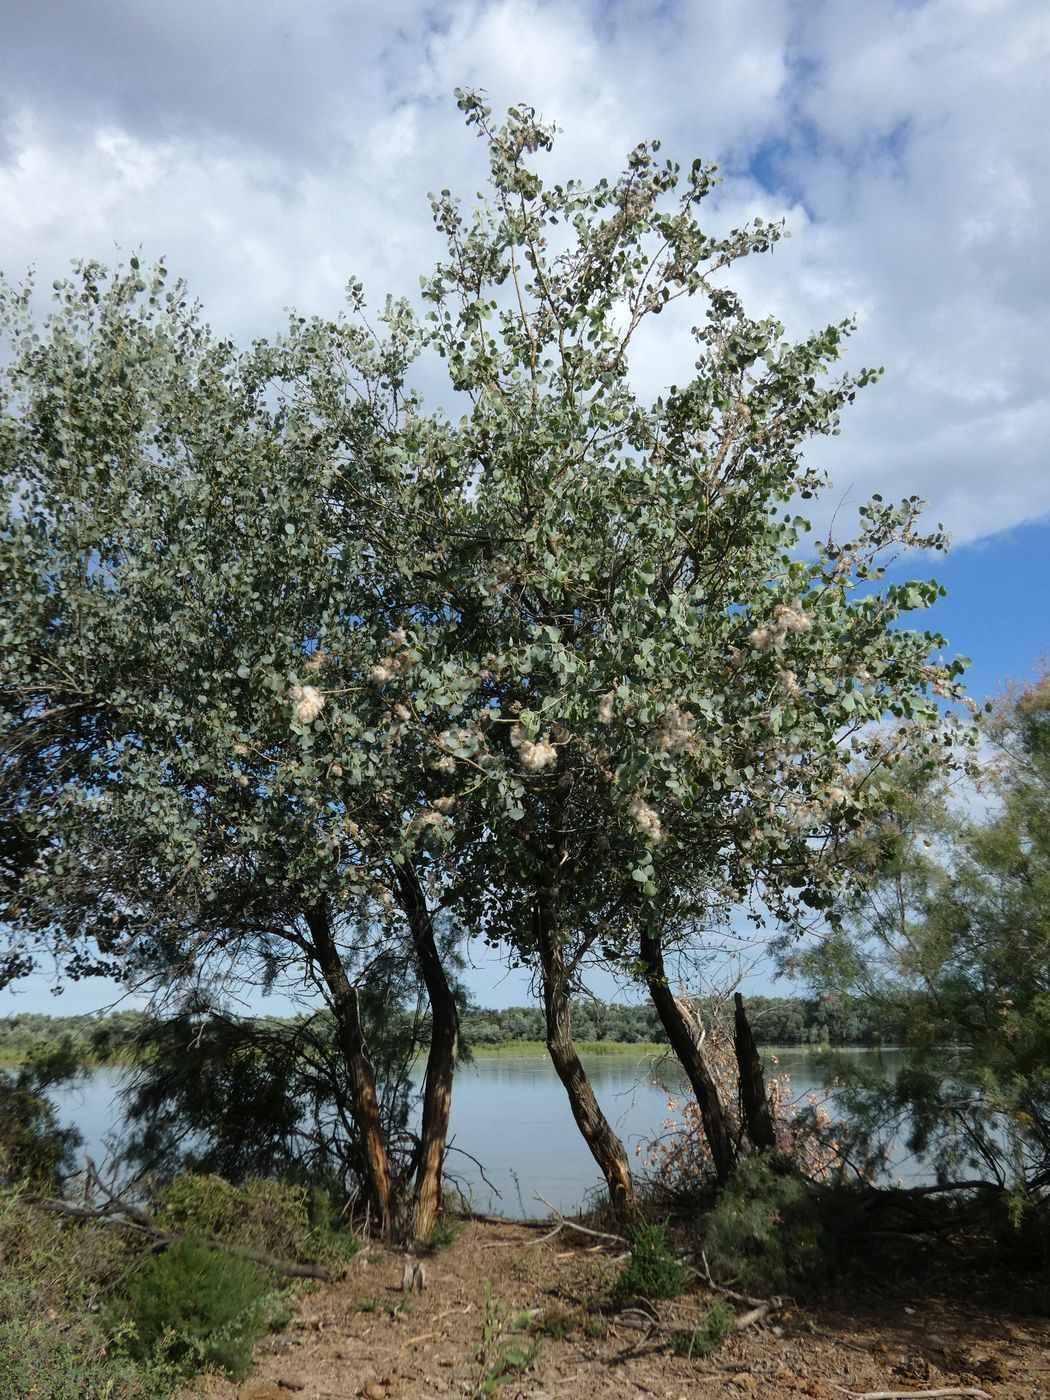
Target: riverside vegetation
{"x": 111, "y": 1038}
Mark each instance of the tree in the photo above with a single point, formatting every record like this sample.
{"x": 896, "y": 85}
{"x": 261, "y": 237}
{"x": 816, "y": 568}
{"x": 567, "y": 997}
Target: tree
{"x": 290, "y": 657}
{"x": 250, "y": 1097}
{"x": 187, "y": 550}
{"x": 35, "y": 1149}
{"x": 670, "y": 686}
{"x": 953, "y": 941}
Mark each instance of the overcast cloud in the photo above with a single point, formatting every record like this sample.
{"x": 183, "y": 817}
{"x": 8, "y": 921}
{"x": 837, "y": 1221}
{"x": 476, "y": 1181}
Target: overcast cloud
{"x": 270, "y": 151}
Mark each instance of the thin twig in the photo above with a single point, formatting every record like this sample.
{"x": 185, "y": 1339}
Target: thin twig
{"x": 451, "y": 1147}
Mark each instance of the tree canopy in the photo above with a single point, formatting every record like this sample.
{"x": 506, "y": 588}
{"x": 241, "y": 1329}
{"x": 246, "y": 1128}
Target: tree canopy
{"x": 290, "y": 656}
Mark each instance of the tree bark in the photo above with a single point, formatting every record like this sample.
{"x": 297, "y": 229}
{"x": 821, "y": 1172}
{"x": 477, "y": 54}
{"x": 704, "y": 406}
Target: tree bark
{"x": 754, "y": 1102}
{"x": 684, "y": 1043}
{"x": 606, "y": 1147}
{"x": 364, "y": 1101}
{"x": 441, "y": 1058}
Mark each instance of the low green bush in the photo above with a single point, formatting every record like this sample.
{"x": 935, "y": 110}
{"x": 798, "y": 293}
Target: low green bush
{"x": 196, "y": 1308}
{"x": 652, "y": 1271}
{"x": 768, "y": 1231}
{"x": 52, "y": 1266}
{"x": 1022, "y": 1226}
{"x": 285, "y": 1220}
{"x": 259, "y": 1214}
{"x": 53, "y": 1345}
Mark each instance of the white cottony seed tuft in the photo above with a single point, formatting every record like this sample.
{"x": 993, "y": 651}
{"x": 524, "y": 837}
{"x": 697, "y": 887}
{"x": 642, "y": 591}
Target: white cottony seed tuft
{"x": 308, "y": 702}
{"x": 645, "y": 819}
{"x": 536, "y": 757}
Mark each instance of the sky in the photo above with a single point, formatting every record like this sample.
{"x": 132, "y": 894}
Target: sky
{"x": 270, "y": 152}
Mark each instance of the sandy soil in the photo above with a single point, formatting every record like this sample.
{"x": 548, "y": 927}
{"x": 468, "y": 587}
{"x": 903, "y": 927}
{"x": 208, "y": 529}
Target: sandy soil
{"x": 912, "y": 1324}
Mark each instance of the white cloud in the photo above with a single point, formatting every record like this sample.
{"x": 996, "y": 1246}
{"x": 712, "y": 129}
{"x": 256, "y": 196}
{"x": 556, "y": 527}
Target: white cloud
{"x": 271, "y": 152}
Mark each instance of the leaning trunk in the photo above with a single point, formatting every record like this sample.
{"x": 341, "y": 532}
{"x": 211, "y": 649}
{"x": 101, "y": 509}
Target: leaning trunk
{"x": 605, "y": 1146}
{"x": 754, "y": 1101}
{"x": 685, "y": 1043}
{"x": 441, "y": 1059}
{"x": 364, "y": 1101}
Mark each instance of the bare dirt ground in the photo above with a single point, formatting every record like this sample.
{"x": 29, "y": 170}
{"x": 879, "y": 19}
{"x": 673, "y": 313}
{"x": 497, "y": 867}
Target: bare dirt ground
{"x": 918, "y": 1325}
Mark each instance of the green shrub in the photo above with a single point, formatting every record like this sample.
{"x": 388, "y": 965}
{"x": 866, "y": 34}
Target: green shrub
{"x": 768, "y": 1230}
{"x": 49, "y": 1265}
{"x": 260, "y": 1214}
{"x": 197, "y": 1308}
{"x": 708, "y": 1335}
{"x": 285, "y": 1220}
{"x": 1022, "y": 1226}
{"x": 652, "y": 1271}
{"x": 45, "y": 1359}
{"x": 52, "y": 1345}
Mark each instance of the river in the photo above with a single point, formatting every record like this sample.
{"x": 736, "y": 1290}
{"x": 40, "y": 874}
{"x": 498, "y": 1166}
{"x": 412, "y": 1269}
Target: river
{"x": 510, "y": 1113}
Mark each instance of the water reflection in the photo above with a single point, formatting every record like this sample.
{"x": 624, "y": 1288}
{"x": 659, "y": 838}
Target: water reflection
{"x": 511, "y": 1115}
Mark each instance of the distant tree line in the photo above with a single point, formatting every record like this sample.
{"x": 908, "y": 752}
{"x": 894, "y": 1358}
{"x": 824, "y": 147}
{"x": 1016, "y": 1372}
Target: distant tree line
{"x": 776, "y": 1021}
{"x": 839, "y": 1020}
{"x": 93, "y": 1038}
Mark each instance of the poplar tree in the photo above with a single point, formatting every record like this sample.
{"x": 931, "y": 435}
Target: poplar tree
{"x": 291, "y": 657}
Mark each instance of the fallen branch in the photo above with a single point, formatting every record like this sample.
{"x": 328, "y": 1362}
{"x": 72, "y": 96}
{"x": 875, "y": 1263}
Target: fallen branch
{"x": 517, "y": 1244}
{"x": 913, "y": 1394}
{"x": 564, "y": 1224}
{"x": 754, "y": 1315}
{"x": 526, "y": 1223}
{"x": 942, "y": 1188}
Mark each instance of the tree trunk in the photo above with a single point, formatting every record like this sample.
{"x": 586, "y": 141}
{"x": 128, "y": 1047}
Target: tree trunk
{"x": 606, "y": 1147}
{"x": 441, "y": 1059}
{"x": 364, "y": 1101}
{"x": 686, "y": 1046}
{"x": 754, "y": 1102}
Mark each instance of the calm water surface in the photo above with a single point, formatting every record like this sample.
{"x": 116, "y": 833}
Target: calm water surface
{"x": 511, "y": 1114}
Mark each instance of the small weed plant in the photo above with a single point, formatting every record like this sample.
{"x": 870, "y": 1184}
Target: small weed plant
{"x": 441, "y": 1235}
{"x": 556, "y": 1322}
{"x": 500, "y": 1359}
{"x": 652, "y": 1272}
{"x": 708, "y": 1335}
